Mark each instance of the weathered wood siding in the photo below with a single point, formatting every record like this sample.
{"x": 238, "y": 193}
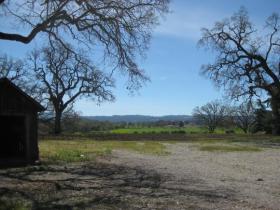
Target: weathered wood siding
{"x": 13, "y": 103}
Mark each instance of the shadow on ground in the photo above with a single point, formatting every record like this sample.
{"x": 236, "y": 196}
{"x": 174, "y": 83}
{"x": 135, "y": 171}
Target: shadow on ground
{"x": 104, "y": 186}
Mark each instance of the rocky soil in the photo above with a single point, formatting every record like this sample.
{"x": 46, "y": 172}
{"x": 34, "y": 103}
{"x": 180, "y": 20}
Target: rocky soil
{"x": 185, "y": 179}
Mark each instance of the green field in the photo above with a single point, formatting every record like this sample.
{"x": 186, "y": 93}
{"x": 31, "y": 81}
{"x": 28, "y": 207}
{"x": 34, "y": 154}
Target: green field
{"x": 187, "y": 129}
{"x": 79, "y": 150}
{"x": 85, "y": 150}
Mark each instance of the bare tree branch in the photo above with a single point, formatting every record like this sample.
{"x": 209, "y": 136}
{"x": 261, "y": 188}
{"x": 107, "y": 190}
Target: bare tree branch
{"x": 62, "y": 77}
{"x": 122, "y": 28}
{"x": 247, "y": 64}
{"x": 244, "y": 116}
{"x": 212, "y": 114}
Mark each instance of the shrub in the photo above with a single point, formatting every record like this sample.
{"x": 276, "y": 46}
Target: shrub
{"x": 165, "y": 132}
{"x": 230, "y": 132}
{"x": 178, "y": 132}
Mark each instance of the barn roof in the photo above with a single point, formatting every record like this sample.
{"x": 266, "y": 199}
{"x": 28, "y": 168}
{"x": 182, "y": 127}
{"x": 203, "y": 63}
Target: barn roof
{"x": 6, "y": 81}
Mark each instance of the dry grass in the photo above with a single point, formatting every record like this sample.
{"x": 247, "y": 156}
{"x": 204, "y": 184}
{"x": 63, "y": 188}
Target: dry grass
{"x": 229, "y": 148}
{"x": 85, "y": 150}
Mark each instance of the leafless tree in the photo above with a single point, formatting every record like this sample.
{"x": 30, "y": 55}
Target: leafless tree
{"x": 244, "y": 116}
{"x": 121, "y": 28}
{"x": 71, "y": 121}
{"x": 11, "y": 68}
{"x": 61, "y": 77}
{"x": 212, "y": 114}
{"x": 247, "y": 59}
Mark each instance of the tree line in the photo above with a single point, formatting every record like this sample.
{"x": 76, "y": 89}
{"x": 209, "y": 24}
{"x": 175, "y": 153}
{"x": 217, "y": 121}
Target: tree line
{"x": 247, "y": 116}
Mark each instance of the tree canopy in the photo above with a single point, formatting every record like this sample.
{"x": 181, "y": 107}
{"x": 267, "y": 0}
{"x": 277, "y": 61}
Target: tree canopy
{"x": 60, "y": 77}
{"x": 122, "y": 28}
{"x": 247, "y": 60}
{"x": 211, "y": 114}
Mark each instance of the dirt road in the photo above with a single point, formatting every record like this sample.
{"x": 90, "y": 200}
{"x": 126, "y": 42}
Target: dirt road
{"x": 242, "y": 180}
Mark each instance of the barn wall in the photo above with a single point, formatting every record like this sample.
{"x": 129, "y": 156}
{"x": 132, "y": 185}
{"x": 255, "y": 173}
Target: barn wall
{"x": 33, "y": 136}
{"x": 14, "y": 103}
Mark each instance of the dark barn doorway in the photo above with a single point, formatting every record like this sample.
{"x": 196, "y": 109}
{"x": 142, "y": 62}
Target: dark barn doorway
{"x": 12, "y": 137}
{"x": 18, "y": 126}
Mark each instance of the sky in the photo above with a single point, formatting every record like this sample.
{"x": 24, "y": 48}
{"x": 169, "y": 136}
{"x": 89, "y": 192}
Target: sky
{"x": 173, "y": 60}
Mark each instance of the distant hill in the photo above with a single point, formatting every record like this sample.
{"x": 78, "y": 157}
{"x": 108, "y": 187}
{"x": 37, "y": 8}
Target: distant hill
{"x": 140, "y": 118}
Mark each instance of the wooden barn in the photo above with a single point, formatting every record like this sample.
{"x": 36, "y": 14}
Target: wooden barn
{"x": 18, "y": 125}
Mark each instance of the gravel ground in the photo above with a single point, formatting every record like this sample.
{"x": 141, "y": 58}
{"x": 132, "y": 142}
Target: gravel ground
{"x": 246, "y": 180}
{"x": 185, "y": 179}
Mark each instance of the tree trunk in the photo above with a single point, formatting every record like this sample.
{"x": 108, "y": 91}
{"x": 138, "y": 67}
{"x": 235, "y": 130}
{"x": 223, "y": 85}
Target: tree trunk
{"x": 245, "y": 130}
{"x": 275, "y": 105}
{"x": 57, "y": 123}
{"x": 211, "y": 128}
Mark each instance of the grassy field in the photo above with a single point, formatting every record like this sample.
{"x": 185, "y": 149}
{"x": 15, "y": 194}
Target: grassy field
{"x": 76, "y": 150}
{"x": 85, "y": 150}
{"x": 187, "y": 129}
{"x": 229, "y": 148}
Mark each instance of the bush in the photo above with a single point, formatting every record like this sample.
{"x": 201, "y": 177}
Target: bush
{"x": 165, "y": 132}
{"x": 230, "y": 132}
{"x": 178, "y": 132}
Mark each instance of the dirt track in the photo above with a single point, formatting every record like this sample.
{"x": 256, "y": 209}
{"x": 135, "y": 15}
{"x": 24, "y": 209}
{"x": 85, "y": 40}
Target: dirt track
{"x": 185, "y": 179}
{"x": 244, "y": 179}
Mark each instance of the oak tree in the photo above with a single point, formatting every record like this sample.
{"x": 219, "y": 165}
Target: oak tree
{"x": 211, "y": 114}
{"x": 60, "y": 77}
{"x": 247, "y": 60}
{"x": 244, "y": 116}
{"x": 120, "y": 29}
{"x": 11, "y": 68}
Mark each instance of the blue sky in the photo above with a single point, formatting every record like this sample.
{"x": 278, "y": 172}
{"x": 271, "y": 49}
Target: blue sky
{"x": 173, "y": 61}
